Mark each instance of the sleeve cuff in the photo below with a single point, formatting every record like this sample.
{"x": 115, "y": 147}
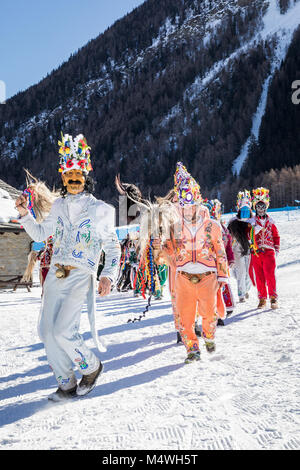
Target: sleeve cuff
{"x": 107, "y": 277}
{"x": 223, "y": 279}
{"x": 25, "y": 217}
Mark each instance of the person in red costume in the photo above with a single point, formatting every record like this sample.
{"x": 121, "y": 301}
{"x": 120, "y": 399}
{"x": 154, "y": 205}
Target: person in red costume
{"x": 265, "y": 245}
{"x": 44, "y": 258}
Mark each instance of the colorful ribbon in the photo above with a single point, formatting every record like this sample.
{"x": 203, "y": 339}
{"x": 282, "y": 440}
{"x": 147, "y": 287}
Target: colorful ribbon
{"x": 30, "y": 193}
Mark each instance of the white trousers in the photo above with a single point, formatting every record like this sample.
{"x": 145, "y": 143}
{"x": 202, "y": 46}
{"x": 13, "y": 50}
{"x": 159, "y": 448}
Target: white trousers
{"x": 59, "y": 326}
{"x": 241, "y": 273}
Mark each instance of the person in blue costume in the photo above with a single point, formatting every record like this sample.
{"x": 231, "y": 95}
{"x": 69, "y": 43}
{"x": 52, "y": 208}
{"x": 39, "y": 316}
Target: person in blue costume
{"x": 237, "y": 226}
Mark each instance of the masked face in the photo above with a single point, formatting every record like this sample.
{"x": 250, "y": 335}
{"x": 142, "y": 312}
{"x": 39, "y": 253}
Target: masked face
{"x": 261, "y": 209}
{"x": 192, "y": 213}
{"x": 74, "y": 180}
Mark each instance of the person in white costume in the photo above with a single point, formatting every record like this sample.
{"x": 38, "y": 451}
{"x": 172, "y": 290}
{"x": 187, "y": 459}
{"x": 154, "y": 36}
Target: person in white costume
{"x": 240, "y": 248}
{"x": 81, "y": 226}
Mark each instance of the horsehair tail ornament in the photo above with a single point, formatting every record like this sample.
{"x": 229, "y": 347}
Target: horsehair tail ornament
{"x": 151, "y": 277}
{"x": 144, "y": 312}
{"x": 29, "y": 192}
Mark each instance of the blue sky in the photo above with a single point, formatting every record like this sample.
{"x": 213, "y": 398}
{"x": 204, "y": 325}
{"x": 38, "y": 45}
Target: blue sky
{"x": 36, "y": 36}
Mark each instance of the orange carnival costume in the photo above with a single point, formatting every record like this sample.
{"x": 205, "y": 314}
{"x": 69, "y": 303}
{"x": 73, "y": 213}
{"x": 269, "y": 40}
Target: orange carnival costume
{"x": 199, "y": 257}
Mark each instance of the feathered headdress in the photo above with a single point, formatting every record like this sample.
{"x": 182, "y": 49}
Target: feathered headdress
{"x": 186, "y": 187}
{"x": 74, "y": 154}
{"x": 243, "y": 199}
{"x": 260, "y": 195}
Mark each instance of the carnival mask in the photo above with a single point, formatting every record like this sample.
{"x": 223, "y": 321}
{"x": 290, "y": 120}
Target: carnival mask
{"x": 192, "y": 213}
{"x": 261, "y": 209}
{"x": 245, "y": 212}
{"x": 74, "y": 180}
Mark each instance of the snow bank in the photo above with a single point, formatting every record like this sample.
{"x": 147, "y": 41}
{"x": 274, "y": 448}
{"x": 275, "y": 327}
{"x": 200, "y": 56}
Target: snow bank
{"x": 7, "y": 207}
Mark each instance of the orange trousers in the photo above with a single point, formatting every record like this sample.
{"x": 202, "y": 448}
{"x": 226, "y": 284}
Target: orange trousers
{"x": 192, "y": 298}
{"x": 172, "y": 277}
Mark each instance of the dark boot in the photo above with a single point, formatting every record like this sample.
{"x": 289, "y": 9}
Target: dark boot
{"x": 192, "y": 357}
{"x": 198, "y": 330}
{"x": 62, "y": 395}
{"x": 88, "y": 382}
{"x": 220, "y": 322}
{"x": 179, "y": 340}
{"x": 262, "y": 303}
{"x": 210, "y": 346}
{"x": 274, "y": 303}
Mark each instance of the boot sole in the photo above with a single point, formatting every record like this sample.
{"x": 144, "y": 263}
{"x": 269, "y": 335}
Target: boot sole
{"x": 94, "y": 384}
{"x": 54, "y": 398}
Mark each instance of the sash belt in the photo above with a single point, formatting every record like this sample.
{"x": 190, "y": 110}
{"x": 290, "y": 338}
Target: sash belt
{"x": 196, "y": 278}
{"x": 63, "y": 271}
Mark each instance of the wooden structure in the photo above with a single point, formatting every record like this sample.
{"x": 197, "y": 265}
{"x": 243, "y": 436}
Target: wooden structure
{"x": 15, "y": 246}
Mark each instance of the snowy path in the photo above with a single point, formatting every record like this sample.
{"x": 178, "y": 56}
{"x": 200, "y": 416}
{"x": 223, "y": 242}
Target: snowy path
{"x": 243, "y": 397}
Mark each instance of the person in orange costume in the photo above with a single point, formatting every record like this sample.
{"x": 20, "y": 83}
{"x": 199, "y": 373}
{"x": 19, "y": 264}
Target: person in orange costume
{"x": 198, "y": 253}
{"x": 171, "y": 262}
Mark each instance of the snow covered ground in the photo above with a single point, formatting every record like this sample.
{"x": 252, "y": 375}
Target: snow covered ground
{"x": 243, "y": 397}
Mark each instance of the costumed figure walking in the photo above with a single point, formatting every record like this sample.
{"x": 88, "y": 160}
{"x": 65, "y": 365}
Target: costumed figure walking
{"x": 154, "y": 218}
{"x": 199, "y": 256}
{"x": 81, "y": 226}
{"x": 265, "y": 246}
{"x": 241, "y": 247}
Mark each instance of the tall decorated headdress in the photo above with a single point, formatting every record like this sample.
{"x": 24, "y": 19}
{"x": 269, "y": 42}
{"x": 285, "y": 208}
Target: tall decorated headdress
{"x": 214, "y": 206}
{"x": 74, "y": 154}
{"x": 244, "y": 199}
{"x": 260, "y": 195}
{"x": 186, "y": 187}
{"x": 216, "y": 211}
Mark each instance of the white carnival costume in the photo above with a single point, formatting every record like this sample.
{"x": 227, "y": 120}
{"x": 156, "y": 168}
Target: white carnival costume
{"x": 242, "y": 261}
{"x": 81, "y": 226}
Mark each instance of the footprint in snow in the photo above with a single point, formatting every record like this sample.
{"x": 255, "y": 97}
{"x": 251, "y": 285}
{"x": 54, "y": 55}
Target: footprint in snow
{"x": 217, "y": 357}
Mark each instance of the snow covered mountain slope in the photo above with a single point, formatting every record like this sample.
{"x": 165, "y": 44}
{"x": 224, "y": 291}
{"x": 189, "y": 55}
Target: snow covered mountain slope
{"x": 243, "y": 397}
{"x": 283, "y": 27}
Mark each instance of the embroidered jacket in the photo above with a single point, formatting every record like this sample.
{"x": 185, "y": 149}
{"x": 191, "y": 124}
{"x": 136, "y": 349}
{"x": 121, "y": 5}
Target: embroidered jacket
{"x": 204, "y": 247}
{"x": 266, "y": 235}
{"x": 79, "y": 240}
{"x": 45, "y": 256}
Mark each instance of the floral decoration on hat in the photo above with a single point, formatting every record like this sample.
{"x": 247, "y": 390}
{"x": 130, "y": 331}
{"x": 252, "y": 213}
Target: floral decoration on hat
{"x": 244, "y": 199}
{"x": 74, "y": 154}
{"x": 260, "y": 195}
{"x": 186, "y": 187}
